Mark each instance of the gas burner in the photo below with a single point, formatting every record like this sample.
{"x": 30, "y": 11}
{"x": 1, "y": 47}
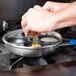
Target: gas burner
{"x": 61, "y": 54}
{"x": 23, "y": 62}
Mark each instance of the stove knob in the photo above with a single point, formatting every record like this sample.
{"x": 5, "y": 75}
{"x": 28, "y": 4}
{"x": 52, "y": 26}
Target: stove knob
{"x": 3, "y": 25}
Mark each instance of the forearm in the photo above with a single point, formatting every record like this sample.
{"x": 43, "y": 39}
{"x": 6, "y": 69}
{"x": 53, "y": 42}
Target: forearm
{"x": 66, "y": 17}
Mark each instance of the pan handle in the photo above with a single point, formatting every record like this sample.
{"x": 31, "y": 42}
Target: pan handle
{"x": 70, "y": 42}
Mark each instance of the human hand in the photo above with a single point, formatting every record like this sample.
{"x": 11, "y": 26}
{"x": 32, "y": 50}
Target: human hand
{"x": 54, "y": 6}
{"x": 42, "y": 21}
{"x": 38, "y": 20}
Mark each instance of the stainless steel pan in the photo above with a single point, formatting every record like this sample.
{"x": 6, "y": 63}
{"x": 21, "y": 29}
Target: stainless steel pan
{"x": 14, "y": 41}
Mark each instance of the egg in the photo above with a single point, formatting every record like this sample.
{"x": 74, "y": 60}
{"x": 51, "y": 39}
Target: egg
{"x": 34, "y": 35}
{"x": 35, "y": 45}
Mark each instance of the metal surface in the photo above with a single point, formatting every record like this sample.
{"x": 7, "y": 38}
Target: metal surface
{"x": 4, "y": 58}
{"x": 15, "y": 63}
{"x": 20, "y": 49}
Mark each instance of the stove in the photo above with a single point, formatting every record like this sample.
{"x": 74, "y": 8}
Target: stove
{"x": 62, "y": 54}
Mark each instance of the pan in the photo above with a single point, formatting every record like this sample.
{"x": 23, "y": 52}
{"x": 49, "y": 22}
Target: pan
{"x": 16, "y": 43}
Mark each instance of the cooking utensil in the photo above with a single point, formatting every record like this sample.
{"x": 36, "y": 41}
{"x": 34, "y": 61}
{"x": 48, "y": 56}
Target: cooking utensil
{"x": 35, "y": 42}
{"x": 35, "y": 38}
{"x": 20, "y": 49}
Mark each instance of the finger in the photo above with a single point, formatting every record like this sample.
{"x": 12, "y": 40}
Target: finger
{"x": 24, "y": 16}
{"x": 48, "y": 6}
{"x": 45, "y": 7}
{"x": 23, "y": 23}
{"x": 37, "y": 7}
{"x": 24, "y": 26}
{"x": 26, "y": 31}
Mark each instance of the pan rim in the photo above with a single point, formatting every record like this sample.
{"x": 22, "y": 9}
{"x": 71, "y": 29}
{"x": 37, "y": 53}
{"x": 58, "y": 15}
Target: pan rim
{"x": 24, "y": 47}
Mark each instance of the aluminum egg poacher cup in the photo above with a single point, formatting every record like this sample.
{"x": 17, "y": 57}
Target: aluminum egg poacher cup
{"x": 16, "y": 43}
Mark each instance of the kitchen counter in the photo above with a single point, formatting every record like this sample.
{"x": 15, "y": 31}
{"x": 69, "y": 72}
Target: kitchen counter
{"x": 62, "y": 69}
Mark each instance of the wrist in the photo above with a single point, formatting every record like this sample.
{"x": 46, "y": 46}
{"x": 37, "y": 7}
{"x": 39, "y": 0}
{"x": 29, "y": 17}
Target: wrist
{"x": 66, "y": 17}
{"x": 52, "y": 22}
{"x": 63, "y": 18}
